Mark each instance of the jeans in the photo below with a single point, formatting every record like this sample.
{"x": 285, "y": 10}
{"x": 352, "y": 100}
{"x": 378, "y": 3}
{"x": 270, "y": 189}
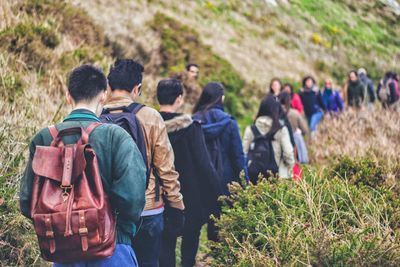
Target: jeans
{"x": 189, "y": 247}
{"x": 315, "y": 120}
{"x": 123, "y": 256}
{"x": 147, "y": 242}
{"x": 302, "y": 153}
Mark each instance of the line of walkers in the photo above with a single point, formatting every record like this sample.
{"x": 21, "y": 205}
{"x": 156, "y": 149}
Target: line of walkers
{"x": 117, "y": 182}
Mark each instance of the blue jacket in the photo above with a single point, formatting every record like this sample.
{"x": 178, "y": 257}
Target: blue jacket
{"x": 332, "y": 101}
{"x": 224, "y": 145}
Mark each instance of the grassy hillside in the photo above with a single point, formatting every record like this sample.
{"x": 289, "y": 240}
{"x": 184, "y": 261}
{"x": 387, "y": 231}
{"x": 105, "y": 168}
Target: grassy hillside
{"x": 241, "y": 43}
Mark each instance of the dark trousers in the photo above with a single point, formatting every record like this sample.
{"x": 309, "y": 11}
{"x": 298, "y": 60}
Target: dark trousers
{"x": 147, "y": 242}
{"x": 189, "y": 247}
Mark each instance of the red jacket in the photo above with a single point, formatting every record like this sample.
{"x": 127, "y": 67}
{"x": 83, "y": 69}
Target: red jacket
{"x": 296, "y": 103}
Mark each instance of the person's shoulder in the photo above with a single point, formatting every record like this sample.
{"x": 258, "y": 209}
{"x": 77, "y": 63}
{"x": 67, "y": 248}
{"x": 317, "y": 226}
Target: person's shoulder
{"x": 149, "y": 114}
{"x": 114, "y": 131}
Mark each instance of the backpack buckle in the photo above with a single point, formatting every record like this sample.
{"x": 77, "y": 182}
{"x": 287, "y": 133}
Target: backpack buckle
{"x": 65, "y": 193}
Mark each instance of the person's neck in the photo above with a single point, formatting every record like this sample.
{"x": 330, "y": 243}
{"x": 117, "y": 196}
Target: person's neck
{"x": 168, "y": 109}
{"x": 122, "y": 93}
{"x": 88, "y": 106}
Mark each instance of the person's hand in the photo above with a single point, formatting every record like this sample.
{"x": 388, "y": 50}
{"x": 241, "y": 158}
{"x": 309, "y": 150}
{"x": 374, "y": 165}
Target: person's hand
{"x": 174, "y": 221}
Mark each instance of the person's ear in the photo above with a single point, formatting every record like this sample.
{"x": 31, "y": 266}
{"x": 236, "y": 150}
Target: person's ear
{"x": 103, "y": 97}
{"x": 68, "y": 98}
{"x": 180, "y": 100}
{"x": 223, "y": 98}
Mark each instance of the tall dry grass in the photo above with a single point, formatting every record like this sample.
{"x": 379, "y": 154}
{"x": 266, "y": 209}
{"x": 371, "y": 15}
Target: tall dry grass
{"x": 359, "y": 134}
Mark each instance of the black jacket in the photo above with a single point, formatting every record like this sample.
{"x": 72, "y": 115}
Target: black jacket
{"x": 312, "y": 102}
{"x": 198, "y": 178}
{"x": 355, "y": 93}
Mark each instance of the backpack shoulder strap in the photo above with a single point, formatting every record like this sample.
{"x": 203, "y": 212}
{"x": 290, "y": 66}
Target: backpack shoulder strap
{"x": 91, "y": 127}
{"x": 255, "y": 131}
{"x": 87, "y": 131}
{"x": 53, "y": 131}
{"x": 134, "y": 107}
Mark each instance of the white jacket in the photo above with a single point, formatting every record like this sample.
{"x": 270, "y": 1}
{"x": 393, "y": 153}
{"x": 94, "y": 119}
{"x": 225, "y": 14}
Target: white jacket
{"x": 283, "y": 148}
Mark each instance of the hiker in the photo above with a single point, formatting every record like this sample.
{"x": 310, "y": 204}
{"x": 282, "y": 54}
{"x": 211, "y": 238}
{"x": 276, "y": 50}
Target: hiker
{"x": 296, "y": 101}
{"x": 224, "y": 145}
{"x": 299, "y": 127}
{"x": 388, "y": 90}
{"x": 354, "y": 90}
{"x": 369, "y": 90}
{"x": 163, "y": 191}
{"x": 313, "y": 104}
{"x": 332, "y": 100}
{"x": 275, "y": 90}
{"x": 275, "y": 87}
{"x": 120, "y": 172}
{"x": 192, "y": 89}
{"x": 198, "y": 178}
{"x": 274, "y": 153}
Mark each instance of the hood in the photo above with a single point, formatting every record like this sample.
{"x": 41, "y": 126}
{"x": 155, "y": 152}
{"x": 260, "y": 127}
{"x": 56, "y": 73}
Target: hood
{"x": 178, "y": 122}
{"x": 213, "y": 122}
{"x": 263, "y": 124}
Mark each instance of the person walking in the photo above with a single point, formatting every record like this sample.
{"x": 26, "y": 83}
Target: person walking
{"x": 299, "y": 126}
{"x": 313, "y": 104}
{"x": 267, "y": 124}
{"x": 222, "y": 136}
{"x": 99, "y": 167}
{"x": 332, "y": 100}
{"x": 164, "y": 200}
{"x": 355, "y": 91}
{"x": 198, "y": 178}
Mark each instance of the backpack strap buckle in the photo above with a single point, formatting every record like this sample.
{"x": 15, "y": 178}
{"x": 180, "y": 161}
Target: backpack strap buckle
{"x": 83, "y": 231}
{"x": 50, "y": 233}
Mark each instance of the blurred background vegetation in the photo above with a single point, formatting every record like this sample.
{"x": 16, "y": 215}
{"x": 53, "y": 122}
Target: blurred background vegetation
{"x": 241, "y": 43}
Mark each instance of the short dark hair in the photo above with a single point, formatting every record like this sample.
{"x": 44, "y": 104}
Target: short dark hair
{"x": 86, "y": 82}
{"x": 309, "y": 77}
{"x": 168, "y": 90}
{"x": 125, "y": 74}
{"x": 188, "y": 66}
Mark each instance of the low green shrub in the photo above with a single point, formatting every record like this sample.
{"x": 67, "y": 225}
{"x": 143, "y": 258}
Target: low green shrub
{"x": 317, "y": 222}
{"x": 33, "y": 42}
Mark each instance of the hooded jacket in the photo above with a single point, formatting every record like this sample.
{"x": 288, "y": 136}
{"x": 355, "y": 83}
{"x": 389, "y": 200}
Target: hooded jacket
{"x": 197, "y": 176}
{"x": 159, "y": 151}
{"x": 283, "y": 148}
{"x": 370, "y": 87}
{"x": 222, "y": 136}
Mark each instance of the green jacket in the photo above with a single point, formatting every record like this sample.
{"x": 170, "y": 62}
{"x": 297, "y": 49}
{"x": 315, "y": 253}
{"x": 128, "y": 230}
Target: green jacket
{"x": 121, "y": 167}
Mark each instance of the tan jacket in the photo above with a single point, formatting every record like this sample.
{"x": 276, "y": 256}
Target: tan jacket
{"x": 283, "y": 148}
{"x": 159, "y": 150}
{"x": 297, "y": 121}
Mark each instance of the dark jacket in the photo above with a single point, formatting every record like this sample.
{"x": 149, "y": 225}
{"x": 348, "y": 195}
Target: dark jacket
{"x": 370, "y": 87}
{"x": 312, "y": 102}
{"x": 392, "y": 88}
{"x": 224, "y": 145}
{"x": 121, "y": 167}
{"x": 198, "y": 178}
{"x": 355, "y": 93}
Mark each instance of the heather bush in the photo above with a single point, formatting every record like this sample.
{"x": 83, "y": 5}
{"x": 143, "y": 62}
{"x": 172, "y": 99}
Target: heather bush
{"x": 321, "y": 221}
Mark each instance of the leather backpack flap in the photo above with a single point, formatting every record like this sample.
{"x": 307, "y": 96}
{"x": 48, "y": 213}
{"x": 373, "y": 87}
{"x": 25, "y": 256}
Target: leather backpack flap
{"x": 48, "y": 162}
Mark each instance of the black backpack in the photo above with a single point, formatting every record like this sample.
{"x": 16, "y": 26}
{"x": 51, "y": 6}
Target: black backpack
{"x": 261, "y": 158}
{"x": 127, "y": 120}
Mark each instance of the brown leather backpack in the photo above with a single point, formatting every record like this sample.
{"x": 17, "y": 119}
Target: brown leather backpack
{"x": 70, "y": 210}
